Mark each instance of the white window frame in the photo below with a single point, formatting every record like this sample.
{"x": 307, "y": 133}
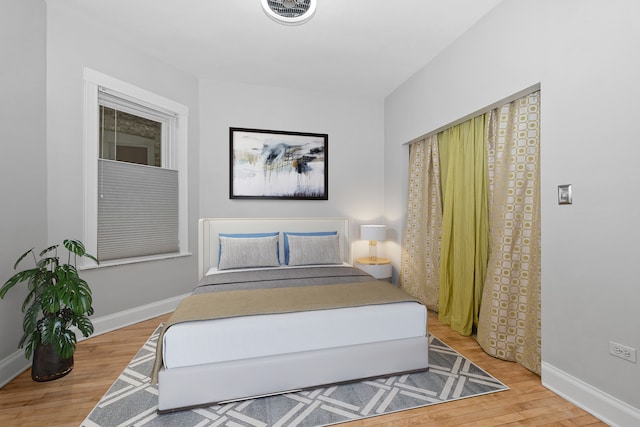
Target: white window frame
{"x": 175, "y": 156}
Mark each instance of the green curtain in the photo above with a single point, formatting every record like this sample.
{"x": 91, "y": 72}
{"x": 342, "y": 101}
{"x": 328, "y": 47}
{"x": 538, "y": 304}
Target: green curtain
{"x": 465, "y": 226}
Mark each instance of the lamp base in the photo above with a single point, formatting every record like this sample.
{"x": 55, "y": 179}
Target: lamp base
{"x": 373, "y": 250}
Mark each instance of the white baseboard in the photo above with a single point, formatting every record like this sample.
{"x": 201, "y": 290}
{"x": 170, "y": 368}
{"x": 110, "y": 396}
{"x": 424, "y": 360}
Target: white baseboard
{"x": 124, "y": 318}
{"x": 16, "y": 363}
{"x": 602, "y": 405}
{"x": 12, "y": 366}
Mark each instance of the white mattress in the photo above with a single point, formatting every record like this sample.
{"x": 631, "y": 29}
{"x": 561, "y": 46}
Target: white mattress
{"x": 210, "y": 341}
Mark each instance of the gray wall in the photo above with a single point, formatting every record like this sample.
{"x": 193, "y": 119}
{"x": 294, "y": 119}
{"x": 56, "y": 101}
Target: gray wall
{"x": 52, "y": 195}
{"x": 72, "y": 45}
{"x": 355, "y": 129}
{"x": 23, "y": 168}
{"x": 584, "y": 55}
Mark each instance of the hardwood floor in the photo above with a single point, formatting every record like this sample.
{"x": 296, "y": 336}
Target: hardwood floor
{"x": 99, "y": 360}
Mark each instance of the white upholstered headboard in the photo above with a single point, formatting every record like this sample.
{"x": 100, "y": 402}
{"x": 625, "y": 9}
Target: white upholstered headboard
{"x": 209, "y": 228}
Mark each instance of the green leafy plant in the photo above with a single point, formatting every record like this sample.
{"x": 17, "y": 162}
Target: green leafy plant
{"x": 58, "y": 299}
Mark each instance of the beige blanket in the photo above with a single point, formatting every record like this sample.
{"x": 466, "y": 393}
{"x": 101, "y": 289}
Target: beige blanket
{"x": 217, "y": 305}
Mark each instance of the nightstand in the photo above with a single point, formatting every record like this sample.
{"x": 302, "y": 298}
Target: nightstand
{"x": 380, "y": 268}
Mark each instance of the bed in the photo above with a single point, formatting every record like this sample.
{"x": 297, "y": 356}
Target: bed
{"x": 279, "y": 308}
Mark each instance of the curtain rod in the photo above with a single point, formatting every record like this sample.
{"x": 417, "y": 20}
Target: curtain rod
{"x": 486, "y": 109}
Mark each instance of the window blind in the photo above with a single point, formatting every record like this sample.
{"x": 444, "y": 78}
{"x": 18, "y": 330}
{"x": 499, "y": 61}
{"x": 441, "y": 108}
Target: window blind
{"x": 130, "y": 105}
{"x": 137, "y": 210}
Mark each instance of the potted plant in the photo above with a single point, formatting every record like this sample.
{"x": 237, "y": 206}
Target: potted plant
{"x": 57, "y": 300}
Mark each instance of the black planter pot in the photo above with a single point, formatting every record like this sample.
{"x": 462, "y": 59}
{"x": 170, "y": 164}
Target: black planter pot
{"x": 47, "y": 365}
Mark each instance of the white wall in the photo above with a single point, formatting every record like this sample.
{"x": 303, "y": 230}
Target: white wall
{"x": 583, "y": 53}
{"x": 47, "y": 161}
{"x": 585, "y": 56}
{"x": 74, "y": 44}
{"x": 23, "y": 176}
{"x": 355, "y": 129}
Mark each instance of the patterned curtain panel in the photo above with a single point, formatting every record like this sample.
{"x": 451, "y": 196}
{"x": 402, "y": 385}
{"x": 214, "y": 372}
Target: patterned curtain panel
{"x": 420, "y": 263}
{"x": 465, "y": 228}
{"x": 509, "y": 325}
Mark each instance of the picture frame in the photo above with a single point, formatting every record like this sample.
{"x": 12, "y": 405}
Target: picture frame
{"x": 273, "y": 164}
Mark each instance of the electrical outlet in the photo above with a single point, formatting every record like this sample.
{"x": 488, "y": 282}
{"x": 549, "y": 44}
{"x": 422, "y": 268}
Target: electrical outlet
{"x": 622, "y": 351}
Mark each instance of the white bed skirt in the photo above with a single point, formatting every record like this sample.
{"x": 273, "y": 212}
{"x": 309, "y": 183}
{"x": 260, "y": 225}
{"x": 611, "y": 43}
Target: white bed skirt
{"x": 221, "y": 340}
{"x": 199, "y": 385}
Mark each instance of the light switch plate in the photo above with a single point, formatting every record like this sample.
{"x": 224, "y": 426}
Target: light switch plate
{"x": 564, "y": 194}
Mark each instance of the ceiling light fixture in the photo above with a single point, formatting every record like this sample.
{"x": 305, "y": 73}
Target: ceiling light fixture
{"x": 289, "y": 12}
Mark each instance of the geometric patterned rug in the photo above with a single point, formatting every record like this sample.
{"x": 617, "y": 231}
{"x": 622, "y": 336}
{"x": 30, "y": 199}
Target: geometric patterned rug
{"x": 132, "y": 400}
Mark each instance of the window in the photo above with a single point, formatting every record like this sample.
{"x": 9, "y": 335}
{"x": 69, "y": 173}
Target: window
{"x": 131, "y": 138}
{"x": 135, "y": 156}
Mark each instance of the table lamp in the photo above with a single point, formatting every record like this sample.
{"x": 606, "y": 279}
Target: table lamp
{"x": 372, "y": 233}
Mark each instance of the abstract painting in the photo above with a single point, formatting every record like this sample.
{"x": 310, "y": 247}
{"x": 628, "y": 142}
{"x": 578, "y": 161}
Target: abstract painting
{"x": 269, "y": 164}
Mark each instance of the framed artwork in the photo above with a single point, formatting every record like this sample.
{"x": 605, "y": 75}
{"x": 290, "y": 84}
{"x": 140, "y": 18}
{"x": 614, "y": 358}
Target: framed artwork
{"x": 269, "y": 164}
